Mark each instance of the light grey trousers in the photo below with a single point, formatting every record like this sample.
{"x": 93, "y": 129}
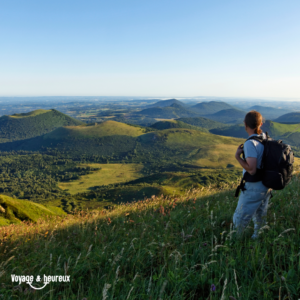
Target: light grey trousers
{"x": 252, "y": 204}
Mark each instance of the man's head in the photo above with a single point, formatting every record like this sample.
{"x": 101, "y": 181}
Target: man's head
{"x": 253, "y": 121}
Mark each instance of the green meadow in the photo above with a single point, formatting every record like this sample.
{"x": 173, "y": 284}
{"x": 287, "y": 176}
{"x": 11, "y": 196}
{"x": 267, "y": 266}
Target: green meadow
{"x": 105, "y": 175}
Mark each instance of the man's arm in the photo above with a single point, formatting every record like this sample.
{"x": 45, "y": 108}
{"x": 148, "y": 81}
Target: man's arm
{"x": 249, "y": 164}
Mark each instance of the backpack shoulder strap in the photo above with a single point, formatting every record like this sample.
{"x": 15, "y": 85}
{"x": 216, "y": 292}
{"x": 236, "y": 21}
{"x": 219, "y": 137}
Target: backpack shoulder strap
{"x": 257, "y": 138}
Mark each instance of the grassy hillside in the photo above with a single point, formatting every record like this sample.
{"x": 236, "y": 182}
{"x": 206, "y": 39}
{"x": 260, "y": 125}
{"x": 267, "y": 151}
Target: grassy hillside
{"x": 107, "y": 128}
{"x": 202, "y": 122}
{"x": 103, "y": 139}
{"x": 231, "y": 115}
{"x": 32, "y": 124}
{"x": 293, "y": 117}
{"x": 175, "y": 124}
{"x": 190, "y": 147}
{"x": 159, "y": 248}
{"x": 269, "y": 113}
{"x": 15, "y": 211}
{"x": 208, "y": 108}
{"x": 289, "y": 133}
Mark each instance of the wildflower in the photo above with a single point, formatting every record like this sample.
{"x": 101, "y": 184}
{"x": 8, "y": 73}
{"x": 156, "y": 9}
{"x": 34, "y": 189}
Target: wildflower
{"x": 204, "y": 244}
{"x": 213, "y": 288}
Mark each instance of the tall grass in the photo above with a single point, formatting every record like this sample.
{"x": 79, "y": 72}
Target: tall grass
{"x": 159, "y": 248}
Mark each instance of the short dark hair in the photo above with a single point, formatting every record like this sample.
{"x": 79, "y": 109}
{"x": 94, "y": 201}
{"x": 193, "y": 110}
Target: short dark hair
{"x": 253, "y": 119}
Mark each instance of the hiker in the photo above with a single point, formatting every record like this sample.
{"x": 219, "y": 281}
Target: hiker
{"x": 254, "y": 196}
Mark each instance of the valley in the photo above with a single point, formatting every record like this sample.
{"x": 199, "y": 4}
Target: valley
{"x": 54, "y": 159}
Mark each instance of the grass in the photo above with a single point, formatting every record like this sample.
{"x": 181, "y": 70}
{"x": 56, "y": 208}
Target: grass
{"x": 107, "y": 174}
{"x": 159, "y": 248}
{"x": 30, "y": 114}
{"x": 107, "y": 128}
{"x": 15, "y": 210}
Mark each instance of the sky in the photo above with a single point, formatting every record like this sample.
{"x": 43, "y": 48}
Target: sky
{"x": 150, "y": 48}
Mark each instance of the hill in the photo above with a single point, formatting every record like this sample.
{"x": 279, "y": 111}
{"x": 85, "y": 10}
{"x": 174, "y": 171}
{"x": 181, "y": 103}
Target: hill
{"x": 15, "y": 211}
{"x": 209, "y": 108}
{"x": 269, "y": 113}
{"x": 161, "y": 125}
{"x": 113, "y": 139}
{"x": 107, "y": 138}
{"x": 162, "y": 247}
{"x": 293, "y": 117}
{"x": 170, "y": 112}
{"x": 32, "y": 124}
{"x": 135, "y": 120}
{"x": 202, "y": 122}
{"x": 289, "y": 133}
{"x": 107, "y": 128}
{"x": 231, "y": 115}
{"x": 166, "y": 103}
{"x": 190, "y": 147}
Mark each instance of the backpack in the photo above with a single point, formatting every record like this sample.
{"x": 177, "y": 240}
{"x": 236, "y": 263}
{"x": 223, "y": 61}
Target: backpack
{"x": 276, "y": 167}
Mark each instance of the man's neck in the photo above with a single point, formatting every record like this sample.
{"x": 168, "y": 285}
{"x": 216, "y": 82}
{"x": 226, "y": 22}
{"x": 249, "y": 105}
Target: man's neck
{"x": 250, "y": 132}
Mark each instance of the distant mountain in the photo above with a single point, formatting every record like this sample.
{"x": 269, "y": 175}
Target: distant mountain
{"x": 166, "y": 103}
{"x": 209, "y": 108}
{"x": 202, "y": 122}
{"x": 269, "y": 113}
{"x": 15, "y": 211}
{"x": 170, "y": 112}
{"x": 293, "y": 117}
{"x": 32, "y": 124}
{"x": 232, "y": 115}
{"x": 175, "y": 124}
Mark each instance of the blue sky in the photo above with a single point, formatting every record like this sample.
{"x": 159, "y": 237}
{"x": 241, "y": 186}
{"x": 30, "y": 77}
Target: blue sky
{"x": 150, "y": 48}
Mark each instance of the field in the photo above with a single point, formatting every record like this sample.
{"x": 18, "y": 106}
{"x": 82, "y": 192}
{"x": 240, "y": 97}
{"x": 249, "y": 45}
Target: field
{"x": 160, "y": 248}
{"x": 107, "y": 174}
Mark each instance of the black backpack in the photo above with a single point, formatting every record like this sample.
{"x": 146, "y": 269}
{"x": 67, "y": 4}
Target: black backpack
{"x": 276, "y": 166}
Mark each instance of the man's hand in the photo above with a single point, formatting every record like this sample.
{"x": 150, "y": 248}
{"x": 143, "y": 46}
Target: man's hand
{"x": 239, "y": 151}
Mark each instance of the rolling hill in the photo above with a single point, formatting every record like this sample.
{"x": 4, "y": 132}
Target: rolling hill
{"x": 292, "y": 118}
{"x": 202, "y": 122}
{"x": 32, "y": 124}
{"x": 161, "y": 125}
{"x": 109, "y": 137}
{"x": 289, "y": 133}
{"x": 209, "y": 108}
{"x": 134, "y": 120}
{"x": 107, "y": 128}
{"x": 269, "y": 113}
{"x": 229, "y": 116}
{"x": 15, "y": 211}
{"x": 191, "y": 147}
{"x": 112, "y": 138}
{"x": 166, "y": 103}
{"x": 170, "y": 112}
